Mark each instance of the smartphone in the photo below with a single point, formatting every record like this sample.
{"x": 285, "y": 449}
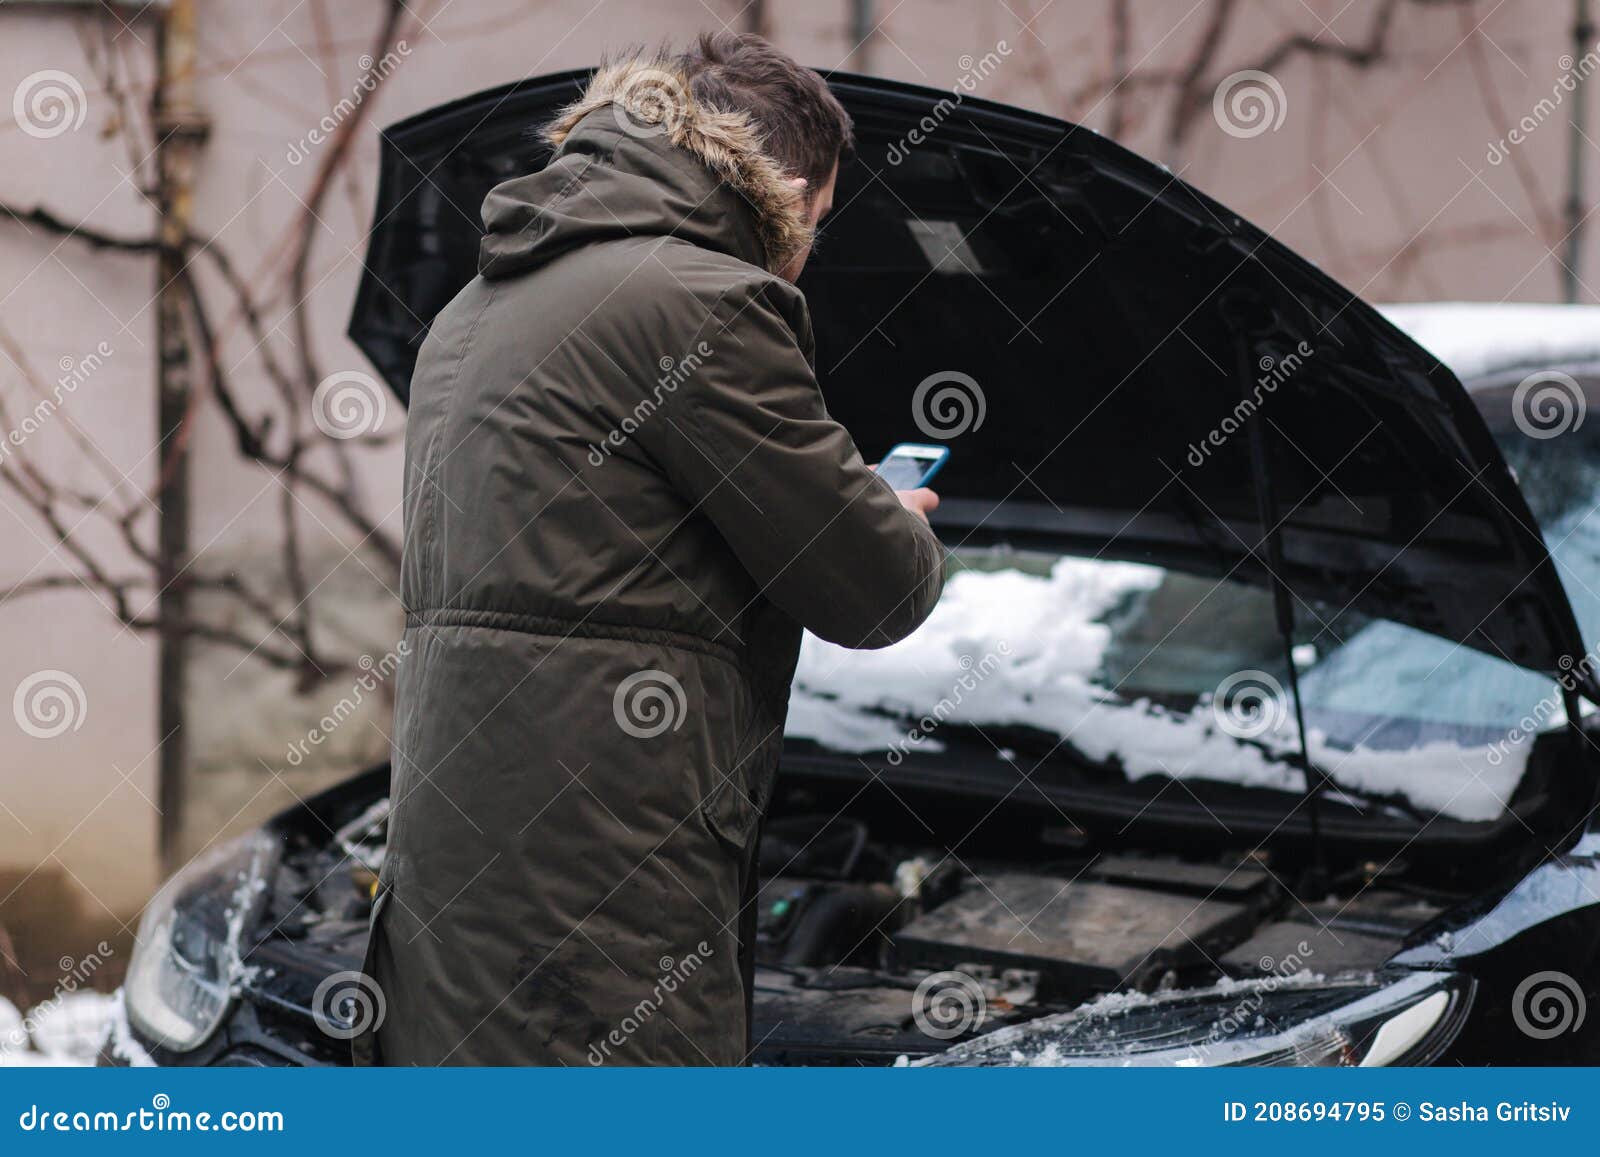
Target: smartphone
{"x": 910, "y": 464}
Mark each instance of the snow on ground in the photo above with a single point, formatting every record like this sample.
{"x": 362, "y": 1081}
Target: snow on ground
{"x": 1009, "y": 648}
{"x": 122, "y": 1043}
{"x": 12, "y": 1030}
{"x": 1498, "y": 341}
{"x": 65, "y": 1031}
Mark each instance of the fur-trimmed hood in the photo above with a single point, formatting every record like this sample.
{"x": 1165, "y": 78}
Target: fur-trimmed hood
{"x": 652, "y": 98}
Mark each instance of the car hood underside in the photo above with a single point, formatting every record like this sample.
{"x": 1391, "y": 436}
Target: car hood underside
{"x": 1120, "y": 365}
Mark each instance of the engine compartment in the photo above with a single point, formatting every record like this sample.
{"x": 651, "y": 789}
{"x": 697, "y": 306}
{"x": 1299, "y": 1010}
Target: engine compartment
{"x": 861, "y": 907}
{"x": 850, "y": 925}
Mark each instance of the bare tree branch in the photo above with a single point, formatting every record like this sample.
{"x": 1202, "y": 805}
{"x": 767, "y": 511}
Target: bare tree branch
{"x": 274, "y": 437}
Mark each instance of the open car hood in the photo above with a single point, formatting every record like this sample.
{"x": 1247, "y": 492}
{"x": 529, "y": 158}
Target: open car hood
{"x": 1095, "y": 340}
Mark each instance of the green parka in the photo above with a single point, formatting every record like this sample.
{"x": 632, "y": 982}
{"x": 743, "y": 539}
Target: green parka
{"x": 624, "y": 499}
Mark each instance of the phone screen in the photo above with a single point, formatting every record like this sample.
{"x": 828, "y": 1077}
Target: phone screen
{"x": 907, "y": 467}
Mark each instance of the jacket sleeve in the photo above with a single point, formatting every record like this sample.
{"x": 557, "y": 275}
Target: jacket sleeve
{"x": 750, "y": 443}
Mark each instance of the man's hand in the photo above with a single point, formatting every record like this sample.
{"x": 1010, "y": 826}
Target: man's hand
{"x": 921, "y": 501}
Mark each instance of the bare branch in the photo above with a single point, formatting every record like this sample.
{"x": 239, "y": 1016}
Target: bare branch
{"x": 93, "y": 238}
{"x": 1197, "y": 82}
{"x": 332, "y": 159}
{"x": 1192, "y": 88}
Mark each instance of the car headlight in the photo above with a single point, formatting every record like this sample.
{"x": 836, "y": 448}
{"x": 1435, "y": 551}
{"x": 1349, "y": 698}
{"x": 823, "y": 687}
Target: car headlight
{"x": 1393, "y": 1019}
{"x": 187, "y": 960}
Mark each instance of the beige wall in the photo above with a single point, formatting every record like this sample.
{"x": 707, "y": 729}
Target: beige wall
{"x": 1378, "y": 172}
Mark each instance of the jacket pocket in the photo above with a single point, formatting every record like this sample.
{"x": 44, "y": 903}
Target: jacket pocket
{"x": 738, "y": 798}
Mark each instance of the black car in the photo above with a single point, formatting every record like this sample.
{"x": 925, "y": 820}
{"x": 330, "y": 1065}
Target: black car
{"x": 1251, "y": 728}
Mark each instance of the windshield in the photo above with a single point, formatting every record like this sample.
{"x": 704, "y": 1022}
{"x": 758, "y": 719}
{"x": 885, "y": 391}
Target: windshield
{"x": 1142, "y": 671}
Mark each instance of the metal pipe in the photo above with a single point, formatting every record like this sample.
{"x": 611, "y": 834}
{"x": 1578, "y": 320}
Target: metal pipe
{"x": 1577, "y": 143}
{"x": 1272, "y": 537}
{"x": 180, "y": 129}
{"x": 862, "y": 27}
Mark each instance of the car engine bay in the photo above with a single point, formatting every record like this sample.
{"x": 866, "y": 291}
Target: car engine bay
{"x": 858, "y": 913}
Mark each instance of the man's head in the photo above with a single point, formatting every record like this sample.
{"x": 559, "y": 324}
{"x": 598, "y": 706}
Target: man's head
{"x": 804, "y": 127}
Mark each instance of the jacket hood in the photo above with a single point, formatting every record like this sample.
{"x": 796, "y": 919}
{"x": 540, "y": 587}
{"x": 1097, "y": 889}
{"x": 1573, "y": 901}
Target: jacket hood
{"x": 637, "y": 155}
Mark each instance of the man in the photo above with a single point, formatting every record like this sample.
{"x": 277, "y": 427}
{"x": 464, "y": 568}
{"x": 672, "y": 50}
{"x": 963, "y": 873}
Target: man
{"x": 624, "y": 499}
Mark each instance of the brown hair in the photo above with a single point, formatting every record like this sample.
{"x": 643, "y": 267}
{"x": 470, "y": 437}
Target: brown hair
{"x": 803, "y": 125}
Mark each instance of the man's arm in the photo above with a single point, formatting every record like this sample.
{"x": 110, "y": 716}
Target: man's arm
{"x": 748, "y": 438}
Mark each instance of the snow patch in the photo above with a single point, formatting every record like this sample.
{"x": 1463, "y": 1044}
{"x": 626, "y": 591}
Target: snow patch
{"x": 124, "y": 1047}
{"x": 1038, "y": 642}
{"x": 1502, "y": 340}
{"x": 67, "y": 1031}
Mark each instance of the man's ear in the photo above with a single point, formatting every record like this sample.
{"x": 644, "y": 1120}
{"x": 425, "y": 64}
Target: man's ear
{"x": 798, "y": 184}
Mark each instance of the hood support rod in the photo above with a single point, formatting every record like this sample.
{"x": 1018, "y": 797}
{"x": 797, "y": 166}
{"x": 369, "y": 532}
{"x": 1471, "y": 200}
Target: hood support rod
{"x": 1283, "y": 607}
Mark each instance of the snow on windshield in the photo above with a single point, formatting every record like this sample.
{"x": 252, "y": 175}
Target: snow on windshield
{"x": 1007, "y": 648}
